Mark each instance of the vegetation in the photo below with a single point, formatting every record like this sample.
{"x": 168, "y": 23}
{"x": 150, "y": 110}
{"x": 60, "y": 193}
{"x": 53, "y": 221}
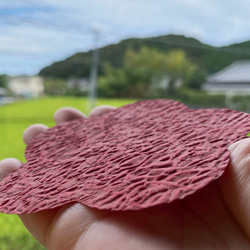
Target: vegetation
{"x": 239, "y": 103}
{"x": 13, "y": 235}
{"x": 3, "y": 81}
{"x": 198, "y": 99}
{"x": 210, "y": 59}
{"x": 147, "y": 68}
{"x": 143, "y": 73}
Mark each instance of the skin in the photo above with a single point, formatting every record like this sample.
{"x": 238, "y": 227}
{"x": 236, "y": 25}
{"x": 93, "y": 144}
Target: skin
{"x": 216, "y": 217}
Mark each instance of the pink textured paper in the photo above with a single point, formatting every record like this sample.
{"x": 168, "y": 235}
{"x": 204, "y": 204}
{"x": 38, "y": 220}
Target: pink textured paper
{"x": 140, "y": 155}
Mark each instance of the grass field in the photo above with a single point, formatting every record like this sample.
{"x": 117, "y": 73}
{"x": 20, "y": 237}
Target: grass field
{"x": 14, "y": 119}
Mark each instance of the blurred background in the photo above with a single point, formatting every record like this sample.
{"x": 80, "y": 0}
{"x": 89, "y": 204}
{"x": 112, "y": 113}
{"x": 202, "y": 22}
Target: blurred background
{"x": 92, "y": 52}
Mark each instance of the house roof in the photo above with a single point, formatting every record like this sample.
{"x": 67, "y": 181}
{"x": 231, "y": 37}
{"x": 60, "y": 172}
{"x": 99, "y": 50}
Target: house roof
{"x": 237, "y": 72}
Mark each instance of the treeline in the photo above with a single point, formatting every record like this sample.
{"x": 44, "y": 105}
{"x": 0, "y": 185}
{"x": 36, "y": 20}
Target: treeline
{"x": 3, "y": 81}
{"x": 146, "y": 73}
{"x": 210, "y": 59}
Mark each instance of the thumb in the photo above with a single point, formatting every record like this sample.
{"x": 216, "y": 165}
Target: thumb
{"x": 235, "y": 183}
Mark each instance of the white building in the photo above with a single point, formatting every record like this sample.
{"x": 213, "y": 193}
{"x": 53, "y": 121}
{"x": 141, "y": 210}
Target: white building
{"x": 4, "y": 97}
{"x": 27, "y": 86}
{"x": 163, "y": 82}
{"x": 78, "y": 83}
{"x": 232, "y": 80}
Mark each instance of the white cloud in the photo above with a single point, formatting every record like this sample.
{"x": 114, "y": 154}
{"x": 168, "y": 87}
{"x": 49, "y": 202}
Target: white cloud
{"x": 51, "y": 30}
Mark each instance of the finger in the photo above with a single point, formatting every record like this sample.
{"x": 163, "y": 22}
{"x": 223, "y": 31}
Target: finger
{"x": 32, "y": 131}
{"x": 61, "y": 227}
{"x": 235, "y": 183}
{"x": 101, "y": 110}
{"x": 7, "y": 166}
{"x": 67, "y": 114}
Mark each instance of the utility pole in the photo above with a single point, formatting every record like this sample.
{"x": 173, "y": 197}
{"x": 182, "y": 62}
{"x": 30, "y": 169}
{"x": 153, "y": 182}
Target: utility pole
{"x": 92, "y": 92}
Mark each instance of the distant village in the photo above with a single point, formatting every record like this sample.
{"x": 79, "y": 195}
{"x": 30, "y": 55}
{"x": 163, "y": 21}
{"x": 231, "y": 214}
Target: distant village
{"x": 230, "y": 81}
{"x": 27, "y": 87}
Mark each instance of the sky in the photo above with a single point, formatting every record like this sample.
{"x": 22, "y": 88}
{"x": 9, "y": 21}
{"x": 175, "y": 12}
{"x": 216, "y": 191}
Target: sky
{"x": 36, "y": 33}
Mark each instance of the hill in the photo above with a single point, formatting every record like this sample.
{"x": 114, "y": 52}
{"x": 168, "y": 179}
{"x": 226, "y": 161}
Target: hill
{"x": 210, "y": 58}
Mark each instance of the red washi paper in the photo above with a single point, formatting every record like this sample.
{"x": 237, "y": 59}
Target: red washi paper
{"x": 137, "y": 156}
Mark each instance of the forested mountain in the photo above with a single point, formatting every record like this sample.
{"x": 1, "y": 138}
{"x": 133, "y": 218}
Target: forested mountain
{"x": 209, "y": 58}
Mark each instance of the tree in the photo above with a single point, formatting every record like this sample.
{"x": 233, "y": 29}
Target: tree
{"x": 3, "y": 81}
{"x": 148, "y": 63}
{"x": 196, "y": 80}
{"x": 114, "y": 83}
{"x": 140, "y": 68}
{"x": 178, "y": 66}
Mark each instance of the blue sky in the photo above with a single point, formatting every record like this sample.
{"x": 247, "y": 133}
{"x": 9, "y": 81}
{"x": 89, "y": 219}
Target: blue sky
{"x": 36, "y": 33}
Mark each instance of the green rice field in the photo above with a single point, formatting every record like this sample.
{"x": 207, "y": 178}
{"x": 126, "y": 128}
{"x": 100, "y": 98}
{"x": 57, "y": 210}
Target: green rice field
{"x": 14, "y": 119}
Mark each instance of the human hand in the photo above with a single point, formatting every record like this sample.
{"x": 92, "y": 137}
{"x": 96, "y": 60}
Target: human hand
{"x": 216, "y": 217}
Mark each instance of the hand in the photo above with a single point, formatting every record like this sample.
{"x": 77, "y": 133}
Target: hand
{"x": 216, "y": 217}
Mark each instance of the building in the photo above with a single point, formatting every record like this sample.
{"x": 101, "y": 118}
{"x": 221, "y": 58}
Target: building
{"x": 163, "y": 82}
{"x": 4, "y": 97}
{"x": 3, "y": 92}
{"x": 80, "y": 84}
{"x": 232, "y": 80}
{"x": 27, "y": 86}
